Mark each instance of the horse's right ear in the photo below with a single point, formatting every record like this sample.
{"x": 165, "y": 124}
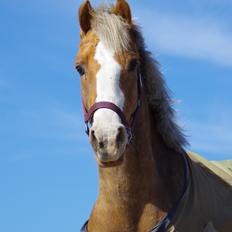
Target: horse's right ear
{"x": 85, "y": 15}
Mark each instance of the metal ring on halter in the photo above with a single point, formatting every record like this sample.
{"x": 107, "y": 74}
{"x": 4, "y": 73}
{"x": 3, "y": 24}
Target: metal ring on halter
{"x": 87, "y": 128}
{"x": 129, "y": 134}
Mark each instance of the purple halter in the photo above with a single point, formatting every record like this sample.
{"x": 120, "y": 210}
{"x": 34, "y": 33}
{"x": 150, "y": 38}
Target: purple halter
{"x": 88, "y": 114}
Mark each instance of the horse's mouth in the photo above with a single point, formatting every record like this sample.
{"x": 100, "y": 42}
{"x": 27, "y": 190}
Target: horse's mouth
{"x": 106, "y": 163}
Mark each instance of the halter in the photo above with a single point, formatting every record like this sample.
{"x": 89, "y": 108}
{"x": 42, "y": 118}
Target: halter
{"x": 88, "y": 114}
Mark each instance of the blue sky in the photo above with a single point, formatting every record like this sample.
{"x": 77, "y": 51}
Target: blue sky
{"x": 48, "y": 175}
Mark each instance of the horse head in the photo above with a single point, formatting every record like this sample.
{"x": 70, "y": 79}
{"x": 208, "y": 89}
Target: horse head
{"x": 108, "y": 64}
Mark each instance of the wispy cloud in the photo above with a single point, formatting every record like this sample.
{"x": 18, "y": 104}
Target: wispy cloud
{"x": 49, "y": 132}
{"x": 212, "y": 137}
{"x": 53, "y": 123}
{"x": 187, "y": 37}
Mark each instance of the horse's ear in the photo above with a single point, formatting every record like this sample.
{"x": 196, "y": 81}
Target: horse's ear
{"x": 85, "y": 15}
{"x": 122, "y": 8}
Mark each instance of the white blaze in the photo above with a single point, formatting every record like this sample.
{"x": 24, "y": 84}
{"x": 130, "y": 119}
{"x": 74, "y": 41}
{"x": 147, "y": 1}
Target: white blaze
{"x": 108, "y": 88}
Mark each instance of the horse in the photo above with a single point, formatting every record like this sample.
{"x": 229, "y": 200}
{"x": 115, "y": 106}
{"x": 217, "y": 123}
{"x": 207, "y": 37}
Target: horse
{"x": 147, "y": 180}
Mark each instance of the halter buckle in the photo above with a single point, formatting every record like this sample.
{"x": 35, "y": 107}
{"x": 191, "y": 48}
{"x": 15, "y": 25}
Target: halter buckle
{"x": 87, "y": 128}
{"x": 129, "y": 134}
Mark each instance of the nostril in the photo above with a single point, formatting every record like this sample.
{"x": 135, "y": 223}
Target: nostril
{"x": 101, "y": 145}
{"x": 92, "y": 135}
{"x": 121, "y": 136}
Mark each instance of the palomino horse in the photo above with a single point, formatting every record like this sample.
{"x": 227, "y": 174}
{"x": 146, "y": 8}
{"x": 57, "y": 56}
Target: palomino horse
{"x": 147, "y": 180}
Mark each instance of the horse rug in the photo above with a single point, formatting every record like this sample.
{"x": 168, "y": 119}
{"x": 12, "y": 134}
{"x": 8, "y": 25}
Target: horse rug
{"x": 207, "y": 203}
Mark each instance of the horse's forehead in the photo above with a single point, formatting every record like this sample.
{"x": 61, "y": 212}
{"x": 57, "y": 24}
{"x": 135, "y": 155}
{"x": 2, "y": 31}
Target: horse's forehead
{"x": 88, "y": 44}
{"x": 90, "y": 38}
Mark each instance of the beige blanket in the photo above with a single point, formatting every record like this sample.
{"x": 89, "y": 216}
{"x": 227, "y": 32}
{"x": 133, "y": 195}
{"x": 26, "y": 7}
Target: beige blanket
{"x": 207, "y": 204}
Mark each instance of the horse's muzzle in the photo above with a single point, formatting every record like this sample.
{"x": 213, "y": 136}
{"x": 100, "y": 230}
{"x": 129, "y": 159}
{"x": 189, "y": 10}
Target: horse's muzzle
{"x": 109, "y": 143}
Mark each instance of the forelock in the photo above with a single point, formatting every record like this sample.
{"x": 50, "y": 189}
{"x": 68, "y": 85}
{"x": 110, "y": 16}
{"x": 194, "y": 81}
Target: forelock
{"x": 111, "y": 29}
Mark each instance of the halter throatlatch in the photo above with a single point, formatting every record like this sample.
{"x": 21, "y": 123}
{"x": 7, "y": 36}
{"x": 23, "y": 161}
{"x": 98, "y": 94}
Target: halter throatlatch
{"x": 88, "y": 114}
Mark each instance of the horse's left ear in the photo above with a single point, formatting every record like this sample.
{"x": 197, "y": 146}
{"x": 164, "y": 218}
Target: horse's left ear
{"x": 122, "y": 8}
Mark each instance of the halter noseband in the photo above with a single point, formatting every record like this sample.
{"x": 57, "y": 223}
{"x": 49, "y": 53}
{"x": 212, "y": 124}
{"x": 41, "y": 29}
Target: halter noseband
{"x": 88, "y": 114}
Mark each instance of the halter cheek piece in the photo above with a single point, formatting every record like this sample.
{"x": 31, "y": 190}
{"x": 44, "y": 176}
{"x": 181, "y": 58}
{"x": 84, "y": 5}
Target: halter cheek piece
{"x": 88, "y": 114}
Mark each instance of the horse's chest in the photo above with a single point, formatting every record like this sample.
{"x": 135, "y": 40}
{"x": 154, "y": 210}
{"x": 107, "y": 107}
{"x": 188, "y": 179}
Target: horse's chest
{"x": 141, "y": 221}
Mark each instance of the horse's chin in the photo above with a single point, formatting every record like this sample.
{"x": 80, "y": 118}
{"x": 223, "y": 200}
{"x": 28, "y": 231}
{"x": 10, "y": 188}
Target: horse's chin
{"x": 106, "y": 160}
{"x": 110, "y": 164}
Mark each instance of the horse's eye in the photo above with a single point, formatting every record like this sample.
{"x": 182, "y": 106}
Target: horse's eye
{"x": 132, "y": 65}
{"x": 80, "y": 70}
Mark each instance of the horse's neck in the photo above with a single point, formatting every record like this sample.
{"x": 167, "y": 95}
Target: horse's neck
{"x": 137, "y": 193}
